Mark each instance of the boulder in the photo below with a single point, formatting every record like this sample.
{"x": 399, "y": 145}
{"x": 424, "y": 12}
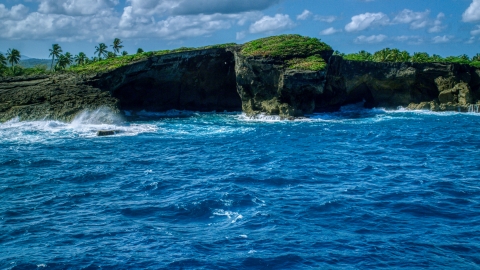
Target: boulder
{"x": 102, "y": 133}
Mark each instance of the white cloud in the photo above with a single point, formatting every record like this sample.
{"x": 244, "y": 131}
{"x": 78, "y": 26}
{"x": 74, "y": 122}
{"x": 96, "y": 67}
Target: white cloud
{"x": 305, "y": 15}
{"x": 330, "y": 31}
{"x": 437, "y": 24}
{"x": 363, "y": 21}
{"x": 409, "y": 39}
{"x": 241, "y": 35}
{"x": 475, "y": 31}
{"x": 442, "y": 39}
{"x": 17, "y": 12}
{"x": 75, "y": 7}
{"x": 370, "y": 39}
{"x": 271, "y": 24}
{"x": 471, "y": 40}
{"x": 415, "y": 19}
{"x": 327, "y": 19}
{"x": 472, "y": 13}
{"x": 197, "y": 7}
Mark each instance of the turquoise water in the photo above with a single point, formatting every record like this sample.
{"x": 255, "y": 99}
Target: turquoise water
{"x": 357, "y": 189}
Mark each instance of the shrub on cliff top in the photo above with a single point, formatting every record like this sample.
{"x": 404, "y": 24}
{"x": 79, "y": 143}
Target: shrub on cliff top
{"x": 119, "y": 61}
{"x": 313, "y": 63}
{"x": 285, "y": 47}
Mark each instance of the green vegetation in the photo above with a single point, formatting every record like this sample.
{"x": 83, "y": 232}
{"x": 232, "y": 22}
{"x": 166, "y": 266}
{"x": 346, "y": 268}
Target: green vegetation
{"x": 101, "y": 50}
{"x": 111, "y": 63}
{"x": 55, "y": 51}
{"x": 117, "y": 45}
{"x": 313, "y": 63}
{"x": 13, "y": 56}
{"x": 396, "y": 56}
{"x": 285, "y": 47}
{"x": 297, "y": 51}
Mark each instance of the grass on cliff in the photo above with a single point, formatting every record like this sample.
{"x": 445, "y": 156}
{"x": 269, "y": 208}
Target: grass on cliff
{"x": 297, "y": 51}
{"x": 119, "y": 61}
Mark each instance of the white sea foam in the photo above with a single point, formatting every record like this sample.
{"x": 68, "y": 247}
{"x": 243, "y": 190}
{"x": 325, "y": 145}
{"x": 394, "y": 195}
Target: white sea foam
{"x": 85, "y": 124}
{"x": 234, "y": 216}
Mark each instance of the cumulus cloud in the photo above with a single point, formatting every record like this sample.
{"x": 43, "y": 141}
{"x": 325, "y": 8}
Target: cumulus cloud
{"x": 328, "y": 19}
{"x": 363, "y": 21}
{"x": 370, "y": 39}
{"x": 437, "y": 24}
{"x": 188, "y": 7}
{"x": 409, "y": 39}
{"x": 75, "y": 7}
{"x": 271, "y": 24}
{"x": 305, "y": 15}
{"x": 475, "y": 31}
{"x": 472, "y": 14}
{"x": 442, "y": 39}
{"x": 330, "y": 31}
{"x": 415, "y": 19}
{"x": 17, "y": 12}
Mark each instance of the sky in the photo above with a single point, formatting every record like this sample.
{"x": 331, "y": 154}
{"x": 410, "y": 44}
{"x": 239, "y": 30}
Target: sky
{"x": 444, "y": 27}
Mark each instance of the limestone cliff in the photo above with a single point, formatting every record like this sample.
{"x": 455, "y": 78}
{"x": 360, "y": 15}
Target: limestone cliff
{"x": 435, "y": 86}
{"x": 201, "y": 80}
{"x": 266, "y": 85}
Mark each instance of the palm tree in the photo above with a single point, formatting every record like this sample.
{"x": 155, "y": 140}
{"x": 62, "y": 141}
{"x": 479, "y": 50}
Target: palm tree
{"x": 476, "y": 57}
{"x": 124, "y": 53}
{"x": 13, "y": 56}
{"x": 62, "y": 62}
{"x": 111, "y": 55}
{"x": 55, "y": 51}
{"x": 404, "y": 56}
{"x": 382, "y": 55}
{"x": 3, "y": 60}
{"x": 117, "y": 45}
{"x": 101, "y": 50}
{"x": 436, "y": 58}
{"x": 80, "y": 59}
{"x": 420, "y": 57}
{"x": 464, "y": 57}
{"x": 68, "y": 58}
{"x": 139, "y": 50}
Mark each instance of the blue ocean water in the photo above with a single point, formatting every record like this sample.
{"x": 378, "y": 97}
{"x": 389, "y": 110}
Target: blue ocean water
{"x": 356, "y": 189}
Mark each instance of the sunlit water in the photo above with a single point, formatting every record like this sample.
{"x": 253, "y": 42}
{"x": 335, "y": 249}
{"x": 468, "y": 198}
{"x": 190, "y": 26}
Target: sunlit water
{"x": 357, "y": 189}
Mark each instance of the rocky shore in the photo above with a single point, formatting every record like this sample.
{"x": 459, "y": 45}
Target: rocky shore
{"x": 225, "y": 79}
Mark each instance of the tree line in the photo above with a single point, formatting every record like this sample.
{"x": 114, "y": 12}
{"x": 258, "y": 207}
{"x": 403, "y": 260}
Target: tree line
{"x": 395, "y": 55}
{"x": 60, "y": 60}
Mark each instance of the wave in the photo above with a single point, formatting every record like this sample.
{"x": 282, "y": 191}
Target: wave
{"x": 85, "y": 124}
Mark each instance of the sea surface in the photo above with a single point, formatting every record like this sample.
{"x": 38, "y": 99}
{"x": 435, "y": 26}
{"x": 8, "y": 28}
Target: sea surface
{"x": 355, "y": 189}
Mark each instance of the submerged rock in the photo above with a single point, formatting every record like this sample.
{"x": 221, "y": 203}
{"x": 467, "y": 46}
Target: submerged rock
{"x": 102, "y": 133}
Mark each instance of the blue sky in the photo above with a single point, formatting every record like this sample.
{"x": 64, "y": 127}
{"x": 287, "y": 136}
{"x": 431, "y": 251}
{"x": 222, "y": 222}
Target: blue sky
{"x": 445, "y": 27}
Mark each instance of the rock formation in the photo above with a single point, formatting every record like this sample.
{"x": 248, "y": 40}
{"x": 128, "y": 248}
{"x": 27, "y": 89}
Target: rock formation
{"x": 225, "y": 79}
{"x": 202, "y": 80}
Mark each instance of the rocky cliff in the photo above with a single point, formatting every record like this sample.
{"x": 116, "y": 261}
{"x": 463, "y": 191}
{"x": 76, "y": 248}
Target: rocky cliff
{"x": 266, "y": 85}
{"x": 50, "y": 97}
{"x": 435, "y": 86}
{"x": 225, "y": 79}
{"x": 201, "y": 80}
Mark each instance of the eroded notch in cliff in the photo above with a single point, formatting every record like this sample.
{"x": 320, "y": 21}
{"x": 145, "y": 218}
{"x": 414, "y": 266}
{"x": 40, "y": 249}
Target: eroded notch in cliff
{"x": 361, "y": 93}
{"x": 197, "y": 81}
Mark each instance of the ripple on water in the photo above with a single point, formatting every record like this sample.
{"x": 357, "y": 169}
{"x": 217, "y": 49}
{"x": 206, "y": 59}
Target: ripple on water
{"x": 355, "y": 189}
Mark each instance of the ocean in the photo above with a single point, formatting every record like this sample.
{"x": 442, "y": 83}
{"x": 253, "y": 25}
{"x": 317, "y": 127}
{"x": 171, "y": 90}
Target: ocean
{"x": 355, "y": 189}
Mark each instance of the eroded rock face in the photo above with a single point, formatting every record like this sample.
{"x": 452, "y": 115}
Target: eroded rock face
{"x": 59, "y": 97}
{"x": 416, "y": 85}
{"x": 202, "y": 80}
{"x": 266, "y": 86}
